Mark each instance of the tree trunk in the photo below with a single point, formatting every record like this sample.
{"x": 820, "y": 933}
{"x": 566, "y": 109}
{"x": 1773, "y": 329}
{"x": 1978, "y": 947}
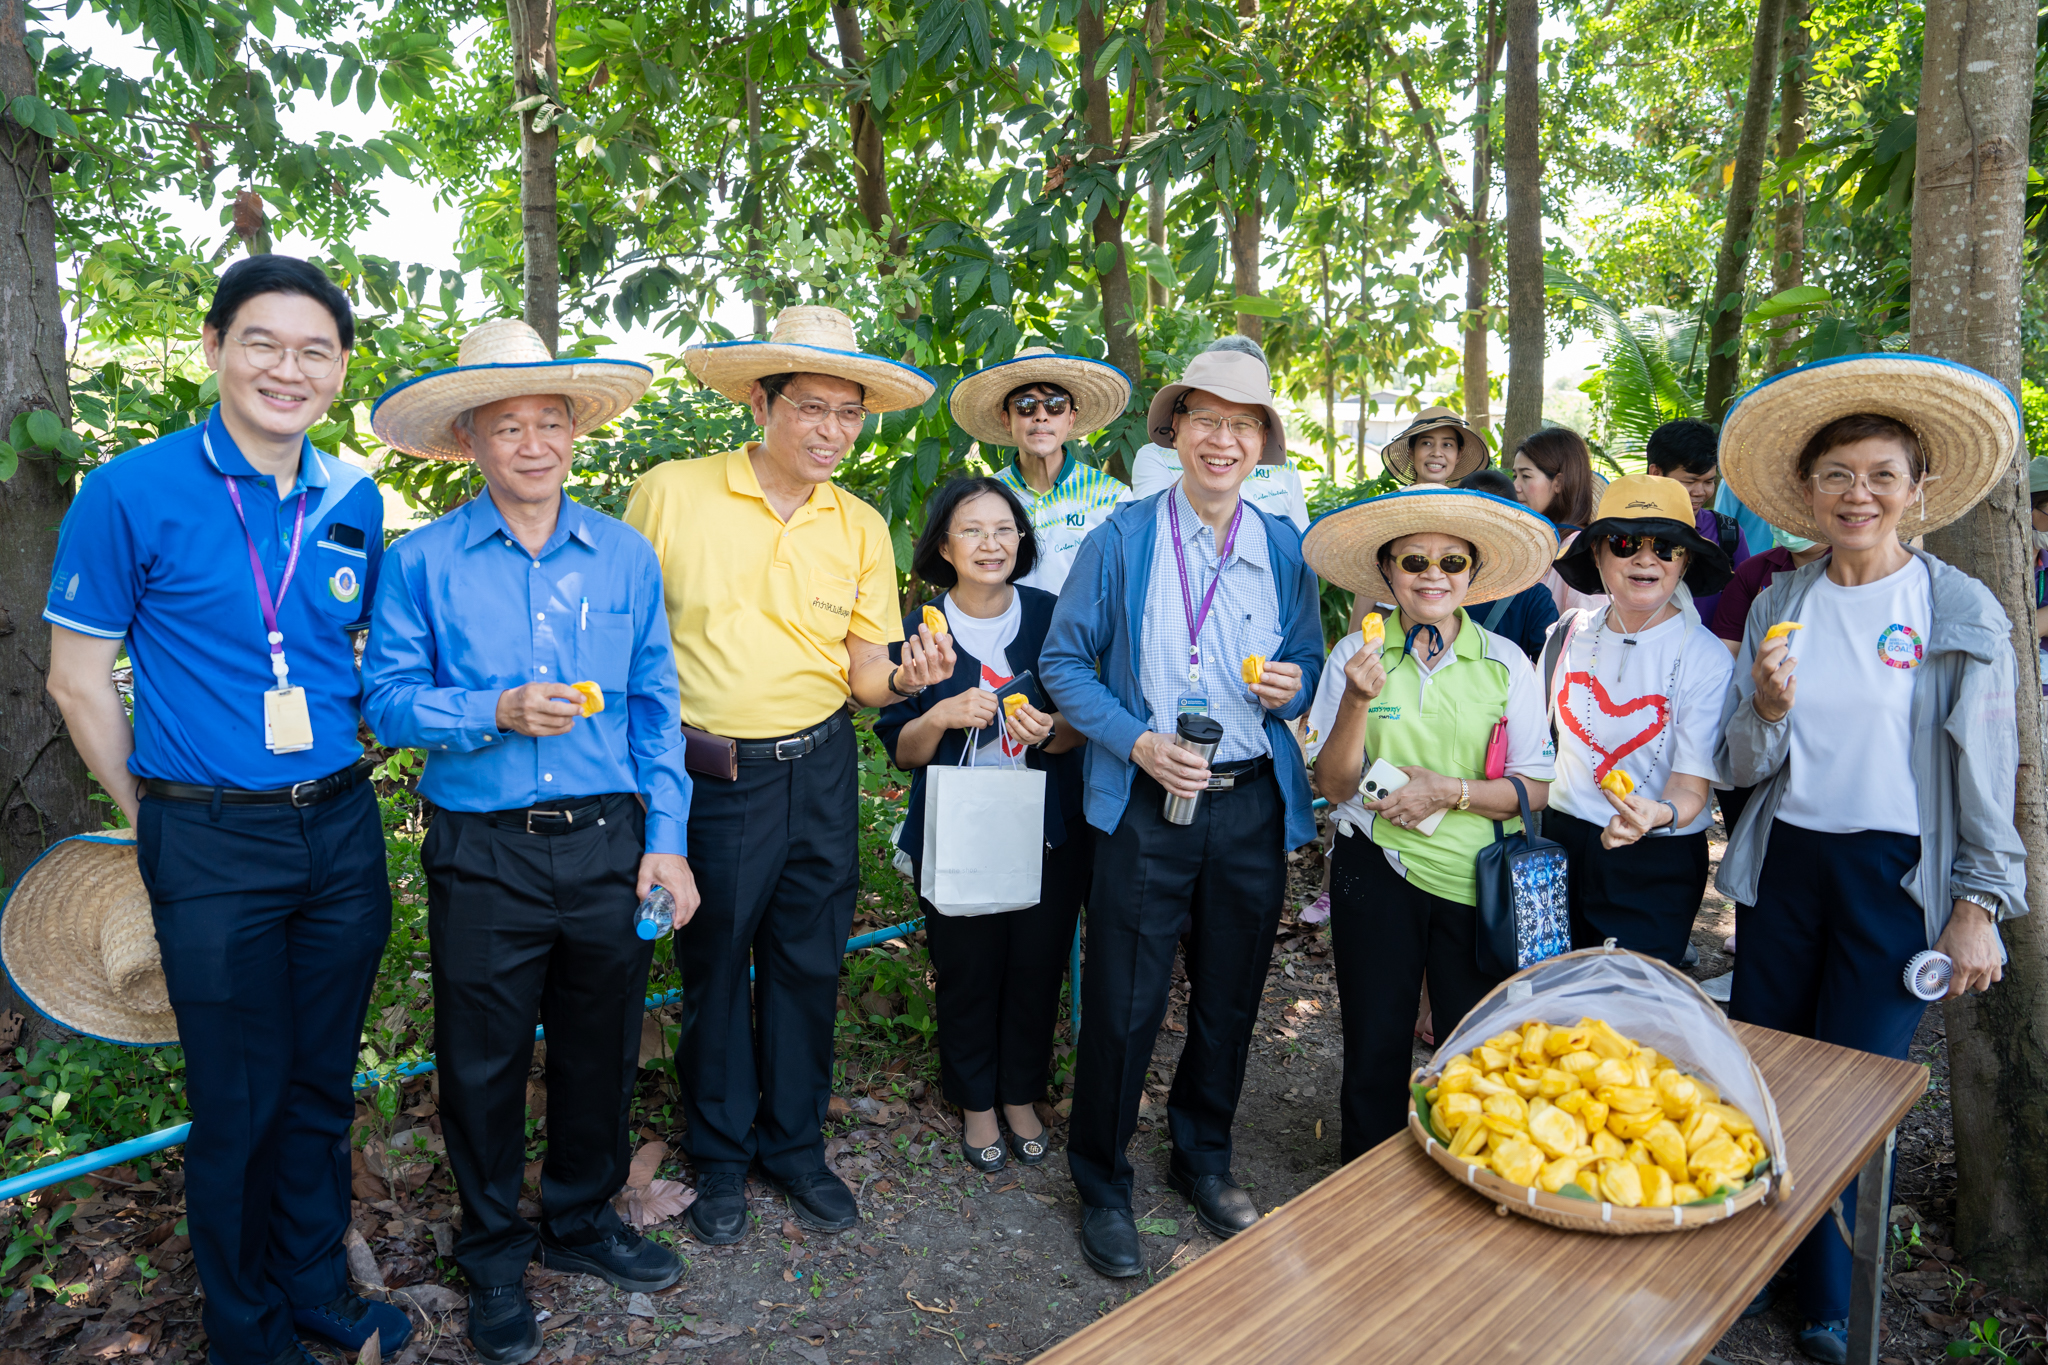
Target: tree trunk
{"x": 1119, "y": 319}
{"x": 1479, "y": 240}
{"x": 42, "y": 779}
{"x": 1329, "y": 371}
{"x": 755, "y": 192}
{"x": 532, "y": 25}
{"x": 1788, "y": 237}
{"x": 1976, "y": 85}
{"x": 1523, "y": 21}
{"x": 870, "y": 169}
{"x": 1731, "y": 264}
{"x": 1155, "y": 100}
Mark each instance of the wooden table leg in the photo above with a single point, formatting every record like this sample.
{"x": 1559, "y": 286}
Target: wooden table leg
{"x": 1866, "y": 1281}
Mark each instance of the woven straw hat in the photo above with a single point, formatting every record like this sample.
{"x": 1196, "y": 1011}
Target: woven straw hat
{"x": 79, "y": 944}
{"x": 809, "y": 340}
{"x": 1968, "y": 425}
{"x": 1398, "y": 454}
{"x": 1645, "y": 505}
{"x": 1514, "y": 544}
{"x": 1233, "y": 370}
{"x": 1100, "y": 391}
{"x": 501, "y": 359}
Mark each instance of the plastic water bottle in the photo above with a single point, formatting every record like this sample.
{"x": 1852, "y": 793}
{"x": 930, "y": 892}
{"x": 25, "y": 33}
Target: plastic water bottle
{"x": 656, "y": 915}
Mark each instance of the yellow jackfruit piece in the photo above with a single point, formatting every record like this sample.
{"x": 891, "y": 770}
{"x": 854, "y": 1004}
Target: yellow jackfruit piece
{"x": 1621, "y": 1182}
{"x": 1752, "y": 1147}
{"x": 1525, "y": 1083}
{"x": 1657, "y": 1187}
{"x": 1732, "y": 1119}
{"x": 1458, "y": 1106}
{"x": 1533, "y": 1036}
{"x": 1510, "y": 1106}
{"x": 1639, "y": 1154}
{"x": 1667, "y": 1146}
{"x": 1468, "y": 1137}
{"x": 1607, "y": 1146}
{"x": 1554, "y": 1084}
{"x": 935, "y": 621}
{"x": 1719, "y": 1162}
{"x": 1624, "y": 1125}
{"x": 1491, "y": 1058}
{"x": 1677, "y": 1094}
{"x": 1518, "y": 1160}
{"x": 1581, "y": 1064}
{"x": 1373, "y": 629}
{"x": 1562, "y": 1042}
{"x": 1588, "y": 1181}
{"x": 1611, "y": 1071}
{"x": 1781, "y": 630}
{"x": 1553, "y": 1131}
{"x": 1628, "y": 1099}
{"x": 1700, "y": 1129}
{"x": 1250, "y": 669}
{"x": 1618, "y": 782}
{"x": 1685, "y": 1192}
{"x": 593, "y": 697}
{"x": 1484, "y": 1086}
{"x": 1557, "y": 1174}
{"x": 1643, "y": 1069}
{"x": 1604, "y": 1040}
{"x": 1459, "y": 1073}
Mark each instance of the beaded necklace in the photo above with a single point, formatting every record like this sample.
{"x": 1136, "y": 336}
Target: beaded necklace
{"x": 1584, "y": 717}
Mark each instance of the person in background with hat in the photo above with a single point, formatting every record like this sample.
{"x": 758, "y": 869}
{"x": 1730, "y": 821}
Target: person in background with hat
{"x": 1273, "y": 486}
{"x": 782, "y": 604}
{"x": 236, "y": 560}
{"x": 1636, "y": 688}
{"x": 1554, "y": 476}
{"x": 1037, "y": 402}
{"x": 1172, "y": 605}
{"x": 1687, "y": 452}
{"x": 550, "y": 824}
{"x": 1402, "y": 900}
{"x": 1439, "y": 447}
{"x": 1878, "y": 734}
{"x": 1524, "y": 617}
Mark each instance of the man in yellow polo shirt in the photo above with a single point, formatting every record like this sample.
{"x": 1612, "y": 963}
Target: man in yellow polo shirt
{"x": 781, "y": 592}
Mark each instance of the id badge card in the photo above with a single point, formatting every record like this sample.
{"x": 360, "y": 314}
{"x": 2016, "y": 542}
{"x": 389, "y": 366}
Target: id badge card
{"x": 287, "y": 725}
{"x": 1193, "y": 703}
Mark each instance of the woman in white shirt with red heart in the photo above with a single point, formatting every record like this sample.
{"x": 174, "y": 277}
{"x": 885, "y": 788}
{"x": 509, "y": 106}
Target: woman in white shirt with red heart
{"x": 1635, "y": 687}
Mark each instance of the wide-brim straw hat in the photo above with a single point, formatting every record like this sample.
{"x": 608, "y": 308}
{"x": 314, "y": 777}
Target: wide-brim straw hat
{"x": 1099, "y": 389}
{"x": 78, "y": 942}
{"x": 1967, "y": 422}
{"x": 1398, "y": 454}
{"x": 1645, "y": 505}
{"x": 809, "y": 340}
{"x": 1234, "y": 375}
{"x": 1514, "y": 544}
{"x": 501, "y": 359}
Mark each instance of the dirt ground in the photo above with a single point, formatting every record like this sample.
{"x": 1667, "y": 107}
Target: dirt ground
{"x": 947, "y": 1265}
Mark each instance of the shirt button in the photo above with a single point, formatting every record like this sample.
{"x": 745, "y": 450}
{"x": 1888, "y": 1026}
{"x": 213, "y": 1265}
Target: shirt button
{"x": 547, "y": 777}
{"x": 543, "y": 668}
{"x": 540, "y": 616}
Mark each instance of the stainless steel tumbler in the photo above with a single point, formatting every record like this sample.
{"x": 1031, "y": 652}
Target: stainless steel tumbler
{"x": 1199, "y": 735}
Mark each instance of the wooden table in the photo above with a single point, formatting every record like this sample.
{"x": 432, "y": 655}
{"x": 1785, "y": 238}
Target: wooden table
{"x": 1390, "y": 1260}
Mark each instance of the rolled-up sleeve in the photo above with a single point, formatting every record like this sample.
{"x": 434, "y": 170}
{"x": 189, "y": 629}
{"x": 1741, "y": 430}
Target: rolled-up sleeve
{"x": 401, "y": 701}
{"x": 654, "y": 734}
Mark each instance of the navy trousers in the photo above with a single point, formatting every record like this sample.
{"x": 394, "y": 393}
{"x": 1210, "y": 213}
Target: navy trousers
{"x": 1823, "y": 954}
{"x": 1643, "y": 895}
{"x": 776, "y": 853}
{"x": 271, "y": 921}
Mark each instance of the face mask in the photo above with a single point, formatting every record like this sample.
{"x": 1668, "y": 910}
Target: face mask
{"x": 1785, "y": 540}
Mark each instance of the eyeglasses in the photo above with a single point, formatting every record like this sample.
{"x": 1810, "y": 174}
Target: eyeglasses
{"x": 1054, "y": 405}
{"x": 1240, "y": 428}
{"x": 1882, "y": 483}
{"x": 315, "y": 362}
{"x": 814, "y": 412}
{"x": 1453, "y": 563}
{"x": 999, "y": 535}
{"x": 1628, "y": 547}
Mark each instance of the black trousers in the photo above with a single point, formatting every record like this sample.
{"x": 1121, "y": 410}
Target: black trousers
{"x": 1386, "y": 932}
{"x": 271, "y": 921}
{"x": 1644, "y": 895}
{"x": 528, "y": 926}
{"x": 777, "y": 857}
{"x": 999, "y": 983}
{"x": 1220, "y": 881}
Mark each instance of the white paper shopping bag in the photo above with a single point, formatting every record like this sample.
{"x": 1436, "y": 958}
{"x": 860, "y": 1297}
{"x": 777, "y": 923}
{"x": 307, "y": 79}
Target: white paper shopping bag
{"x": 984, "y": 837}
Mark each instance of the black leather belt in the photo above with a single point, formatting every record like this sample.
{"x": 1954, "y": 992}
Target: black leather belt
{"x": 791, "y": 746}
{"x": 298, "y": 794}
{"x": 550, "y": 818}
{"x": 1223, "y": 777}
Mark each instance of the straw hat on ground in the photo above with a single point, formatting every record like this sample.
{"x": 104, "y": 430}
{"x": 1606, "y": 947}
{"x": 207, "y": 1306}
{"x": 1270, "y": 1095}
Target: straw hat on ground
{"x": 1967, "y": 423}
{"x": 1646, "y": 505}
{"x": 1398, "y": 454}
{"x": 501, "y": 359}
{"x": 1232, "y": 368}
{"x": 809, "y": 340}
{"x": 79, "y": 944}
{"x": 1514, "y": 545}
{"x": 1100, "y": 392}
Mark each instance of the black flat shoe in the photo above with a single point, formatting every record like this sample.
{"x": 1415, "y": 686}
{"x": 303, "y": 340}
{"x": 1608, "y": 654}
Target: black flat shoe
{"x": 1220, "y": 1203}
{"x": 988, "y": 1160}
{"x": 820, "y": 1200}
{"x": 501, "y": 1325}
{"x": 620, "y": 1257}
{"x": 718, "y": 1216}
{"x": 1029, "y": 1151}
{"x": 1109, "y": 1243}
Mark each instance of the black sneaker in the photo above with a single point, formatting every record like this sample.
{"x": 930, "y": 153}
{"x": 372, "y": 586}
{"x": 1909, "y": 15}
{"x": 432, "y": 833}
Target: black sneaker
{"x": 621, "y": 1256}
{"x": 718, "y": 1216}
{"x": 501, "y": 1325}
{"x": 820, "y": 1200}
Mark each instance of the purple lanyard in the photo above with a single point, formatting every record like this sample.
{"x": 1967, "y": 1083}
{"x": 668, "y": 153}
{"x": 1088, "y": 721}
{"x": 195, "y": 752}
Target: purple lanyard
{"x": 1187, "y": 598}
{"x": 262, "y": 582}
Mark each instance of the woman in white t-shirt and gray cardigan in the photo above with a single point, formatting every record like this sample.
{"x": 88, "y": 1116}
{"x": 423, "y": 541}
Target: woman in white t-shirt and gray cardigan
{"x": 1635, "y": 684}
{"x": 1880, "y": 735}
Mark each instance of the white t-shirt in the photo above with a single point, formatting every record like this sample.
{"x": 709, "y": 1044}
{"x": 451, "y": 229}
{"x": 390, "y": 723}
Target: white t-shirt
{"x": 1274, "y": 489}
{"x": 988, "y": 639}
{"x": 1653, "y": 709}
{"x": 1528, "y": 728}
{"x": 1852, "y": 727}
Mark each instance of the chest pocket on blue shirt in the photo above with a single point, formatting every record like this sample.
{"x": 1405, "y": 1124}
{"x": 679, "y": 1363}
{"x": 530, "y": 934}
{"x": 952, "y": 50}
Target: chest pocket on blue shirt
{"x": 604, "y": 650}
{"x": 343, "y": 575}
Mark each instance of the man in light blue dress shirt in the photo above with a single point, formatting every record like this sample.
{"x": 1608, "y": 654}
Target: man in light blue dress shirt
{"x": 552, "y": 823}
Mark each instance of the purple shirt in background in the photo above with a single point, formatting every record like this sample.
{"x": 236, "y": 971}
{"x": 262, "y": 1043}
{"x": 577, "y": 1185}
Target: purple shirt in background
{"x": 1705, "y": 522}
{"x": 1756, "y": 573}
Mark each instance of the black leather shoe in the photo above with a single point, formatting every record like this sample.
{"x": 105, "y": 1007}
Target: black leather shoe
{"x": 988, "y": 1160}
{"x": 1109, "y": 1243}
{"x": 501, "y": 1325}
{"x": 1220, "y": 1202}
{"x": 820, "y": 1200}
{"x": 718, "y": 1216}
{"x": 621, "y": 1256}
{"x": 1030, "y": 1151}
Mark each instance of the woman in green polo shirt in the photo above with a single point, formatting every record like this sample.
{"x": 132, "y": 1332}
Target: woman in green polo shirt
{"x": 1426, "y": 700}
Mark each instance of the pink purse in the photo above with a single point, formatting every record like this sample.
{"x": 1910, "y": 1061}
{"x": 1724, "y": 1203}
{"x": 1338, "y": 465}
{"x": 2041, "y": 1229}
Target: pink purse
{"x": 1497, "y": 751}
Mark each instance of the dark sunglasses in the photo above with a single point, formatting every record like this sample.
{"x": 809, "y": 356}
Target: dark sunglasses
{"x": 1452, "y": 563}
{"x": 1628, "y": 547}
{"x": 1054, "y": 405}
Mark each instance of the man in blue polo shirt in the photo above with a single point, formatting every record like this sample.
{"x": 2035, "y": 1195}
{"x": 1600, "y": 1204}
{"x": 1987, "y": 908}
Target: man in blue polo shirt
{"x": 235, "y": 559}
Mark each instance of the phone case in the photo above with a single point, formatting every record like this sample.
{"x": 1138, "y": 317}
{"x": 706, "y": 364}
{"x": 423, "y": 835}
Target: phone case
{"x": 1382, "y": 780}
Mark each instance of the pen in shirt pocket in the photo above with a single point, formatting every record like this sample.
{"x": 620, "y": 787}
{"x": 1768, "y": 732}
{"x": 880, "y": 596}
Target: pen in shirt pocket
{"x": 583, "y": 622}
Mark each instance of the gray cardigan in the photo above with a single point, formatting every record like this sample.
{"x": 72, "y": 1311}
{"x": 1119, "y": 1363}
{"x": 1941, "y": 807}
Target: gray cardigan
{"x": 1964, "y": 760}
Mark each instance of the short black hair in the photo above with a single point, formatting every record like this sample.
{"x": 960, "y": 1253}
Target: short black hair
{"x": 1490, "y": 480}
{"x": 253, "y": 275}
{"x": 931, "y": 566}
{"x": 1688, "y": 444}
{"x": 774, "y": 384}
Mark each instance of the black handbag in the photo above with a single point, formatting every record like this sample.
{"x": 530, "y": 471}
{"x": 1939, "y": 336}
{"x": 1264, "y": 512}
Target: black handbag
{"x": 1524, "y": 915}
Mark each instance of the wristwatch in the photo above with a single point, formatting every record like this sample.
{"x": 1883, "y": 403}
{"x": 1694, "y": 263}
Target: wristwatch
{"x": 1983, "y": 902}
{"x": 897, "y": 690}
{"x": 1671, "y": 828}
{"x": 1464, "y": 794}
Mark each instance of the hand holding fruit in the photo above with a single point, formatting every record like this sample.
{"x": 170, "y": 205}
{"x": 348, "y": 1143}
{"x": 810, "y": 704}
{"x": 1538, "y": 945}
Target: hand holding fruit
{"x": 928, "y": 656}
{"x": 1773, "y": 673}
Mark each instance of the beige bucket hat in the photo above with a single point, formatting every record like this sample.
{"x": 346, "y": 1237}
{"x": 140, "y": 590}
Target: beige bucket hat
{"x": 809, "y": 340}
{"x": 1100, "y": 391}
{"x": 1232, "y": 368}
{"x": 79, "y": 944}
{"x": 1514, "y": 545}
{"x": 1398, "y": 455}
{"x": 1967, "y": 422}
{"x": 501, "y": 359}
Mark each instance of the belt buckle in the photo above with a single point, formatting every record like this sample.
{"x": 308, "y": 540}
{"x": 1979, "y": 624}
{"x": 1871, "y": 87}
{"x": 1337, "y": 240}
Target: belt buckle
{"x": 1222, "y": 782}
{"x": 797, "y": 747}
{"x": 566, "y": 815}
{"x": 293, "y": 793}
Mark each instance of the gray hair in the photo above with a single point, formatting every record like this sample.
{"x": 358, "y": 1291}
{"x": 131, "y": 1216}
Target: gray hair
{"x": 1242, "y": 344}
{"x": 465, "y": 421}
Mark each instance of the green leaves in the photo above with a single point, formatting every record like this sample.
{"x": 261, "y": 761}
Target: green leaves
{"x": 1800, "y": 299}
